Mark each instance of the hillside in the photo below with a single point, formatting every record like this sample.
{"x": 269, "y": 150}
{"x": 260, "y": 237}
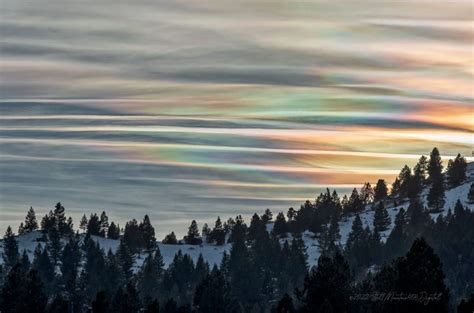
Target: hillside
{"x": 213, "y": 254}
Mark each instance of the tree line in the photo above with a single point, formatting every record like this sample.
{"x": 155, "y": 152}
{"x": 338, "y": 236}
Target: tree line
{"x": 263, "y": 271}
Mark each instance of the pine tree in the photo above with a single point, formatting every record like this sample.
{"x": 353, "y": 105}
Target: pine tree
{"x": 13, "y": 291}
{"x": 397, "y": 240}
{"x": 44, "y": 266}
{"x": 329, "y": 284}
{"x": 367, "y": 193}
{"x": 355, "y": 204}
{"x": 267, "y": 216}
{"x": 239, "y": 231}
{"x": 70, "y": 258}
{"x": 471, "y": 194}
{"x": 419, "y": 272}
{"x": 25, "y": 261}
{"x": 395, "y": 188}
{"x": 381, "y": 190}
{"x": 150, "y": 275}
{"x": 113, "y": 232}
{"x": 257, "y": 228}
{"x": 170, "y": 239}
{"x": 456, "y": 171}
{"x": 206, "y": 233}
{"x": 21, "y": 229}
{"x": 193, "y": 237}
{"x": 201, "y": 270}
{"x": 104, "y": 224}
{"x": 435, "y": 166}
{"x": 93, "y": 226}
{"x": 280, "y": 227}
{"x": 10, "y": 248}
{"x": 212, "y": 295}
{"x": 35, "y": 300}
{"x": 218, "y": 234}
{"x": 436, "y": 196}
{"x": 405, "y": 180}
{"x": 126, "y": 258}
{"x": 60, "y": 219}
{"x": 83, "y": 224}
{"x": 133, "y": 236}
{"x": 30, "y": 221}
{"x": 148, "y": 233}
{"x": 422, "y": 168}
{"x": 381, "y": 218}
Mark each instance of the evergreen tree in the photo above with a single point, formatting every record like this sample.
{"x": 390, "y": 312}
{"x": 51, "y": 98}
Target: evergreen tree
{"x": 54, "y": 245}
{"x": 380, "y": 190}
{"x": 381, "y": 218}
{"x": 104, "y": 224}
{"x": 257, "y": 228}
{"x": 280, "y": 227}
{"x": 148, "y": 233}
{"x": 435, "y": 166}
{"x": 367, "y": 193}
{"x": 436, "y": 196}
{"x": 291, "y": 214}
{"x": 170, "y": 239}
{"x": 34, "y": 298}
{"x": 470, "y": 196}
{"x": 422, "y": 168}
{"x": 218, "y": 234}
{"x": 201, "y": 270}
{"x": 405, "y": 181}
{"x": 267, "y": 216}
{"x": 60, "y": 220}
{"x": 239, "y": 231}
{"x": 13, "y": 291}
{"x": 25, "y": 261}
{"x": 212, "y": 295}
{"x": 113, "y": 274}
{"x": 329, "y": 284}
{"x": 456, "y": 171}
{"x": 355, "y": 204}
{"x": 133, "y": 236}
{"x": 21, "y": 229}
{"x": 113, "y": 232}
{"x": 70, "y": 259}
{"x": 126, "y": 258}
{"x": 397, "y": 240}
{"x": 193, "y": 237}
{"x": 30, "y": 221}
{"x": 395, "y": 188}
{"x": 83, "y": 224}
{"x": 44, "y": 266}
{"x": 93, "y": 226}
{"x": 206, "y": 233}
{"x": 10, "y": 248}
{"x": 150, "y": 275}
{"x": 418, "y": 273}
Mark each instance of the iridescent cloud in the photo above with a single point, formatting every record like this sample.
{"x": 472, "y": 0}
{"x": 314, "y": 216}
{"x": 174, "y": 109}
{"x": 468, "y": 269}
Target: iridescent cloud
{"x": 192, "y": 109}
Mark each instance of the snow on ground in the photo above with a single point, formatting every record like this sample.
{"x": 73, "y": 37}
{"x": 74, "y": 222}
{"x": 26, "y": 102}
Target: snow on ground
{"x": 213, "y": 254}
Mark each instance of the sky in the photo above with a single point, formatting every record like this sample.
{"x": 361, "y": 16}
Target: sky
{"x": 192, "y": 109}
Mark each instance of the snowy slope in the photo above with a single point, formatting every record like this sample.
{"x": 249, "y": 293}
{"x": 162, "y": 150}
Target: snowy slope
{"x": 213, "y": 254}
